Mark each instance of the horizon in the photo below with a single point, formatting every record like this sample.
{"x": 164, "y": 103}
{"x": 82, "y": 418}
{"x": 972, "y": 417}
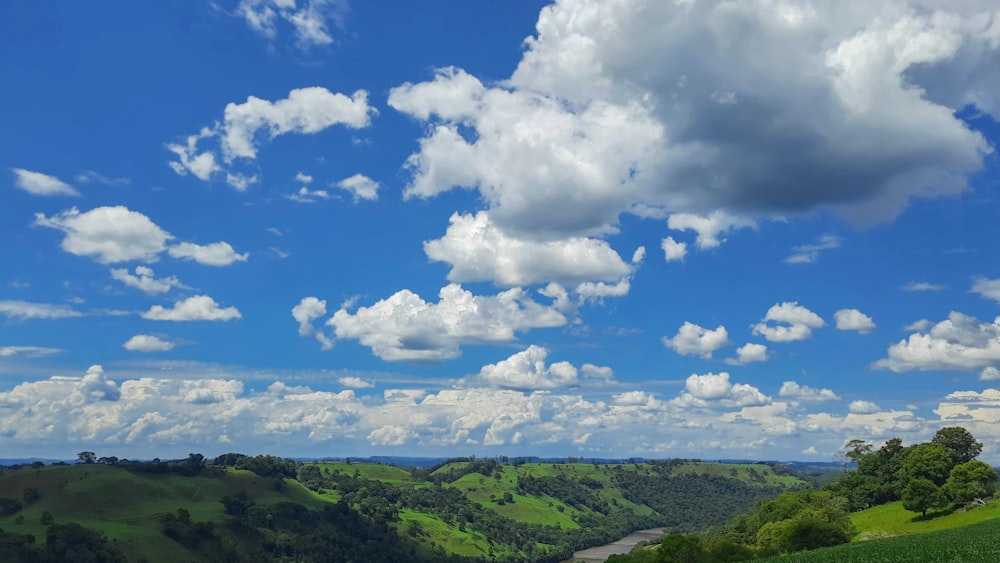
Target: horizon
{"x": 689, "y": 230}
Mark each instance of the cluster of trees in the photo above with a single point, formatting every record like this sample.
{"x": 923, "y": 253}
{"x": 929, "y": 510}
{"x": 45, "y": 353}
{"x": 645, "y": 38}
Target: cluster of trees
{"x": 924, "y": 476}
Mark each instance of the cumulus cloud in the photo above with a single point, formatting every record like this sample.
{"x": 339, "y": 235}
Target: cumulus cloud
{"x": 853, "y": 319}
{"x": 354, "y": 382}
{"x": 108, "y": 234}
{"x": 618, "y": 108}
{"x": 715, "y": 388}
{"x": 214, "y": 254}
{"x": 960, "y": 342}
{"x": 709, "y": 228}
{"x": 989, "y": 373}
{"x": 405, "y": 327}
{"x": 197, "y": 308}
{"x": 809, "y": 253}
{"x": 144, "y": 280}
{"x": 36, "y": 183}
{"x": 792, "y": 390}
{"x": 305, "y": 111}
{"x": 148, "y": 343}
{"x": 306, "y": 313}
{"x": 693, "y": 339}
{"x": 478, "y": 250}
{"x": 673, "y": 250}
{"x": 527, "y": 370}
{"x": 309, "y": 19}
{"x": 360, "y": 186}
{"x": 25, "y": 310}
{"x": 792, "y": 322}
{"x": 863, "y": 407}
{"x": 749, "y": 353}
{"x": 988, "y": 288}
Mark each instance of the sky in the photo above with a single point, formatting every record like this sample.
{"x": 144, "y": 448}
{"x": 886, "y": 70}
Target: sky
{"x": 746, "y": 229}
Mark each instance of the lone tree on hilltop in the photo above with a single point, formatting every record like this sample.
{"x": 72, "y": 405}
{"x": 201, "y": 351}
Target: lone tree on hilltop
{"x": 86, "y": 457}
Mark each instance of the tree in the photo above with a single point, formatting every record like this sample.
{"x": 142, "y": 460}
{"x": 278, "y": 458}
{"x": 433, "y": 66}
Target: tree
{"x": 959, "y": 443}
{"x": 86, "y": 457}
{"x": 927, "y": 461}
{"x": 922, "y": 494}
{"x": 856, "y": 449}
{"x": 969, "y": 481}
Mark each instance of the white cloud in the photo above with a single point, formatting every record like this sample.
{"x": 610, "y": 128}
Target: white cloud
{"x": 306, "y": 312}
{"x": 197, "y": 308}
{"x": 917, "y": 326}
{"x": 91, "y": 177}
{"x": 988, "y": 288}
{"x": 305, "y": 195}
{"x": 989, "y": 373}
{"x": 792, "y": 390}
{"x": 145, "y": 280}
{"x": 28, "y": 351}
{"x": 923, "y": 286}
{"x": 527, "y": 370}
{"x": 693, "y": 339}
{"x": 809, "y": 253}
{"x": 214, "y": 254}
{"x": 673, "y": 250}
{"x": 960, "y": 342}
{"x": 24, "y": 310}
{"x": 715, "y": 388}
{"x": 478, "y": 250}
{"x": 794, "y": 322}
{"x": 853, "y": 319}
{"x": 748, "y": 354}
{"x": 864, "y": 407}
{"x": 708, "y": 227}
{"x": 108, "y": 234}
{"x": 405, "y": 327}
{"x": 308, "y": 18}
{"x": 305, "y": 111}
{"x": 360, "y": 186}
{"x": 636, "y": 105}
{"x": 148, "y": 343}
{"x": 36, "y": 183}
{"x": 355, "y": 382}
{"x": 601, "y": 374}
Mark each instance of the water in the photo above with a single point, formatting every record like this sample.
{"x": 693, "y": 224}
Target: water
{"x": 624, "y": 545}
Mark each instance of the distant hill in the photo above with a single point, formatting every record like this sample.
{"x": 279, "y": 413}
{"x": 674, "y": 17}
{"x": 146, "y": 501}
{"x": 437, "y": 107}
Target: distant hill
{"x": 267, "y": 509}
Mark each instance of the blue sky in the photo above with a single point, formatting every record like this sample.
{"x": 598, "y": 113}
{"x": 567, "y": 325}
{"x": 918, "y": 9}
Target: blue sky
{"x": 697, "y": 229}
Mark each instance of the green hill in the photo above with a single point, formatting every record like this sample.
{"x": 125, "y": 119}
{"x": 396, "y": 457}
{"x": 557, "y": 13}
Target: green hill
{"x": 464, "y": 509}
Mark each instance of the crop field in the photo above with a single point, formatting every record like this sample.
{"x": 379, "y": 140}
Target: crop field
{"x": 975, "y": 543}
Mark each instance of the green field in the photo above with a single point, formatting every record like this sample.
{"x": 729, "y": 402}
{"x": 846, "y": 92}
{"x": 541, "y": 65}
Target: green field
{"x": 975, "y": 543}
{"x": 893, "y": 520}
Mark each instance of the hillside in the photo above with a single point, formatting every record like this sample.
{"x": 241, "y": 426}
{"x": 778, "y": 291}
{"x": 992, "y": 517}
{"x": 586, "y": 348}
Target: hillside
{"x": 472, "y": 509}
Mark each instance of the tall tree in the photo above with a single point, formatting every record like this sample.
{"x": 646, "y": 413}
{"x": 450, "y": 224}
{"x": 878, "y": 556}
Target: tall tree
{"x": 926, "y": 461}
{"x": 971, "y": 480}
{"x": 959, "y": 443}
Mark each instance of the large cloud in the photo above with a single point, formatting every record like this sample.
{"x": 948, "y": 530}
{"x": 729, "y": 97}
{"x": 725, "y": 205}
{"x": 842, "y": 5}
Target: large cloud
{"x": 405, "y": 327}
{"x": 479, "y": 251}
{"x": 527, "y": 370}
{"x": 752, "y": 106}
{"x": 960, "y": 342}
{"x": 305, "y": 111}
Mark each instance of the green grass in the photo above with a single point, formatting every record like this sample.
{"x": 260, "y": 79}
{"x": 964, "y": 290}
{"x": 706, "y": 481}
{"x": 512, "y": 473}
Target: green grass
{"x": 439, "y": 533}
{"x": 893, "y": 520}
{"x": 975, "y": 543}
{"x": 386, "y": 473}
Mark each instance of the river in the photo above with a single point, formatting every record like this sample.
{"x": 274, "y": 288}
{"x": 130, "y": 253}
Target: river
{"x": 624, "y": 545}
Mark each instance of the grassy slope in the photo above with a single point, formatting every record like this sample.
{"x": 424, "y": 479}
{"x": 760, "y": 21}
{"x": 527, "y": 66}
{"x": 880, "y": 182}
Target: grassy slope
{"x": 128, "y": 506}
{"x": 974, "y": 543}
{"x": 893, "y": 520}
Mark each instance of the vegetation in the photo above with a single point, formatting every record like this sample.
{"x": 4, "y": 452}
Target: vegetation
{"x": 265, "y": 508}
